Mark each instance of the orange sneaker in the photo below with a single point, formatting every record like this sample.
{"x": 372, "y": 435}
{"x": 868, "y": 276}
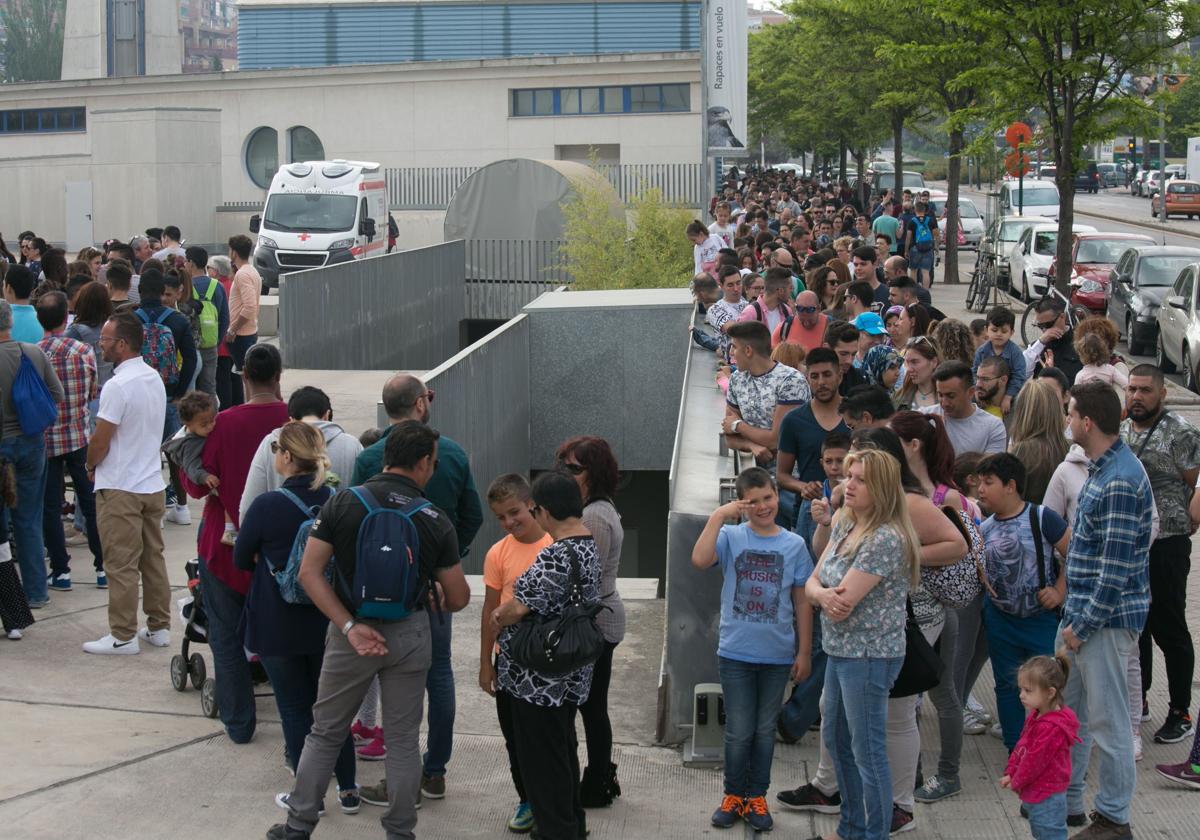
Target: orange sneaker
{"x": 731, "y": 808}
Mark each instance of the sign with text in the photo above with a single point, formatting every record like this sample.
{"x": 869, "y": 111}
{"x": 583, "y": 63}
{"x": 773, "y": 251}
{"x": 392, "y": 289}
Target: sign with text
{"x": 725, "y": 77}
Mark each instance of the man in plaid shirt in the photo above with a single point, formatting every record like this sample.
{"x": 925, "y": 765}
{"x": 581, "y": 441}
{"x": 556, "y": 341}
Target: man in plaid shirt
{"x": 1108, "y": 596}
{"x": 67, "y": 440}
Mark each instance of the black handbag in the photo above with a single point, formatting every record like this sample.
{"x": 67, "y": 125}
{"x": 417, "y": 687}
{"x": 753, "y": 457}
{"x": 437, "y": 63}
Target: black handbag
{"x": 923, "y": 666}
{"x": 562, "y": 643}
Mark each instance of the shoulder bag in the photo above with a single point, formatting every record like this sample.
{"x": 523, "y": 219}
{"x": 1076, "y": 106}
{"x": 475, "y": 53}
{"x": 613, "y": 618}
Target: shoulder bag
{"x": 563, "y": 643}
{"x": 923, "y": 666}
{"x": 36, "y": 409}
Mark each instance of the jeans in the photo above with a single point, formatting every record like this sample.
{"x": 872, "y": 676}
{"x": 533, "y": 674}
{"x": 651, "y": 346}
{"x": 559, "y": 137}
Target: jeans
{"x": 855, "y": 730}
{"x": 75, "y": 464}
{"x": 206, "y": 372}
{"x": 27, "y": 454}
{"x": 440, "y": 684}
{"x": 1011, "y": 641}
{"x": 294, "y": 680}
{"x": 235, "y": 689}
{"x": 1096, "y": 691}
{"x": 803, "y": 708}
{"x": 171, "y": 425}
{"x": 785, "y": 516}
{"x": 705, "y": 339}
{"x": 1166, "y": 623}
{"x": 753, "y": 693}
{"x": 225, "y": 379}
{"x": 948, "y": 703}
{"x": 1048, "y": 818}
{"x": 805, "y": 527}
{"x": 597, "y": 728}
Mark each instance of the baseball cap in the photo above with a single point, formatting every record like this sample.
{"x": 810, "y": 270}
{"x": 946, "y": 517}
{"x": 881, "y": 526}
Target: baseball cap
{"x": 870, "y": 323}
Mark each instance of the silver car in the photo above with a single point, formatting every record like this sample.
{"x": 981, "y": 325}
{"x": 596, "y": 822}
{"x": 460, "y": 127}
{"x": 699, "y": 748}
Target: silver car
{"x": 1179, "y": 327}
{"x": 970, "y": 220}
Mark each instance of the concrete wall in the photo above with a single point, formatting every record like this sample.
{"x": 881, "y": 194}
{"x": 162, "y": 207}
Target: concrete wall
{"x": 398, "y": 311}
{"x": 399, "y": 115}
{"x": 483, "y": 404}
{"x": 608, "y": 364}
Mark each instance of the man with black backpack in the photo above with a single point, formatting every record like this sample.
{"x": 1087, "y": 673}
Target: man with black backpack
{"x": 389, "y": 546}
{"x": 210, "y": 298}
{"x": 168, "y": 348}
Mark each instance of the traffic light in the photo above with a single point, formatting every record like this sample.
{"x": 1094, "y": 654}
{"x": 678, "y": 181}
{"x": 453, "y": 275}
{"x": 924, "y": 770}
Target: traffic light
{"x": 1131, "y": 147}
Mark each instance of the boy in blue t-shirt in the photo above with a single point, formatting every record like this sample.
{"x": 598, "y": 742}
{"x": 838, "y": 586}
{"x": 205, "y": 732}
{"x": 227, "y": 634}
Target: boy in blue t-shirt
{"x": 763, "y": 614}
{"x": 1027, "y": 587}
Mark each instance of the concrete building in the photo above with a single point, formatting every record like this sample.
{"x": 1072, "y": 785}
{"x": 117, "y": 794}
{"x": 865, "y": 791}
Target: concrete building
{"x": 99, "y": 156}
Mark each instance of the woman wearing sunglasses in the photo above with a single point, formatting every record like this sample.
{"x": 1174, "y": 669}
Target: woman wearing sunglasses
{"x": 590, "y": 461}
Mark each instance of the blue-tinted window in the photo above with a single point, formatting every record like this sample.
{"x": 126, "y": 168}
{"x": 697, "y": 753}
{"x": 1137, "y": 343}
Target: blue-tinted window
{"x": 43, "y": 120}
{"x": 633, "y": 99}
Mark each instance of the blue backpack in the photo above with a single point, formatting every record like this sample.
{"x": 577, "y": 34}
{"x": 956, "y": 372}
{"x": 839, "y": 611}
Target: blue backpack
{"x": 923, "y": 237}
{"x": 387, "y": 568}
{"x": 288, "y": 578}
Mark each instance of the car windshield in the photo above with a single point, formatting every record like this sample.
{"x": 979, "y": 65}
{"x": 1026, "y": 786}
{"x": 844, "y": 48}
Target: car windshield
{"x": 1045, "y": 242}
{"x": 1189, "y": 189}
{"x": 1106, "y": 251}
{"x": 310, "y": 212}
{"x": 1012, "y": 232}
{"x": 1037, "y": 196}
{"x": 1161, "y": 271}
{"x": 914, "y": 180}
{"x": 966, "y": 210}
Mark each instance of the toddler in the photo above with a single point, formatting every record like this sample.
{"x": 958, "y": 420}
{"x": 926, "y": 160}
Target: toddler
{"x": 1039, "y": 768}
{"x": 1096, "y": 356}
{"x": 185, "y": 449}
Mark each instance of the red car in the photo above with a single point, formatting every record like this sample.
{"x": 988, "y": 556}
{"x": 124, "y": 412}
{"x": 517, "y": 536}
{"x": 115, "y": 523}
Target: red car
{"x": 1093, "y": 257}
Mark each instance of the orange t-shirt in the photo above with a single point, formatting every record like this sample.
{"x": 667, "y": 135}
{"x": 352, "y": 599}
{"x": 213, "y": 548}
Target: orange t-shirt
{"x": 507, "y": 560}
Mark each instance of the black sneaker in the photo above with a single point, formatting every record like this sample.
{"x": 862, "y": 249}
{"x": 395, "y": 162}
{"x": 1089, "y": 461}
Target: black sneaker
{"x": 808, "y": 798}
{"x": 902, "y": 820}
{"x": 784, "y": 735}
{"x": 1177, "y": 727}
{"x": 280, "y": 831}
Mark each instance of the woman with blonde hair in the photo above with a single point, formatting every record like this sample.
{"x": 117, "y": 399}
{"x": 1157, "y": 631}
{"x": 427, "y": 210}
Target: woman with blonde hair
{"x": 790, "y": 354}
{"x": 1036, "y": 436}
{"x": 955, "y": 341}
{"x": 860, "y": 586}
{"x": 289, "y": 637}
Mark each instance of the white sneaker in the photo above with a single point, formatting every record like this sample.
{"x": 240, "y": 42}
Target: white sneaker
{"x": 15, "y": 635}
{"x": 971, "y": 724}
{"x": 158, "y": 638}
{"x": 1137, "y": 747}
{"x": 180, "y": 515}
{"x": 112, "y": 646}
{"x": 981, "y": 714}
{"x": 996, "y": 732}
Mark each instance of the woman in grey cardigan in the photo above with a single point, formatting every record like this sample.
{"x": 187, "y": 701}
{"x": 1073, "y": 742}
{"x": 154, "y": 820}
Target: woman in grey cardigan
{"x": 590, "y": 461}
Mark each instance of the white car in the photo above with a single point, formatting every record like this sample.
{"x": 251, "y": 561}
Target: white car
{"x": 1029, "y": 260}
{"x": 970, "y": 220}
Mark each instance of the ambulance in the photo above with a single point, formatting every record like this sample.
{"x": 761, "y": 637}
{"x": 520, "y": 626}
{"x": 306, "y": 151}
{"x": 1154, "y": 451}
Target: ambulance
{"x": 320, "y": 212}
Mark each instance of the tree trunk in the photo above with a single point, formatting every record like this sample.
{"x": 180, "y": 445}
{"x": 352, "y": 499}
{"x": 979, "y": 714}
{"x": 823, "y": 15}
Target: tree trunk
{"x": 898, "y": 140}
{"x": 953, "y": 174}
{"x": 841, "y": 160}
{"x": 1064, "y": 147}
{"x": 863, "y": 193}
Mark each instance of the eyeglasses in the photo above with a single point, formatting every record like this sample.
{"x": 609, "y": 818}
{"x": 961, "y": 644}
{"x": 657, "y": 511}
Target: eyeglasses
{"x": 572, "y": 468}
{"x": 915, "y": 340}
{"x": 806, "y": 310}
{"x": 276, "y": 448}
{"x": 535, "y": 510}
{"x": 1047, "y": 325}
{"x": 979, "y": 378}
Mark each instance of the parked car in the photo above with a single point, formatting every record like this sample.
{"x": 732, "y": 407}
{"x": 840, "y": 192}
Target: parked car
{"x": 1138, "y": 185}
{"x": 1087, "y": 179}
{"x": 999, "y": 240}
{"x": 881, "y": 181}
{"x": 1178, "y": 343}
{"x": 1029, "y": 198}
{"x": 1110, "y": 175}
{"x": 1029, "y": 260}
{"x": 1093, "y": 256}
{"x": 1047, "y": 173}
{"x": 1141, "y": 279}
{"x": 970, "y": 220}
{"x": 1175, "y": 170}
{"x": 1150, "y": 183}
{"x": 1183, "y": 198}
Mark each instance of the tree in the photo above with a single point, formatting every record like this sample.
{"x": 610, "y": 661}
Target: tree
{"x": 1074, "y": 59}
{"x": 1183, "y": 110}
{"x": 33, "y": 46}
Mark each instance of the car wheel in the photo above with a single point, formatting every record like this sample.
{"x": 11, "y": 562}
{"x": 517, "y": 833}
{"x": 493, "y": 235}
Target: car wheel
{"x": 1189, "y": 372}
{"x": 1135, "y": 348}
{"x": 1160, "y": 357}
{"x": 1025, "y": 296}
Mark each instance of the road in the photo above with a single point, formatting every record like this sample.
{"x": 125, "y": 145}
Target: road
{"x": 1104, "y": 211}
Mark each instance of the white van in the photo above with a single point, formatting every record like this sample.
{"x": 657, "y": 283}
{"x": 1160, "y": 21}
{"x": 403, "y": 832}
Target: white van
{"x": 320, "y": 212}
{"x": 1038, "y": 198}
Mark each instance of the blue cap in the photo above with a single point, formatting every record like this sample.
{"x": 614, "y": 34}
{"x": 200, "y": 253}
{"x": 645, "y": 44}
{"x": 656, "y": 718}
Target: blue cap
{"x": 870, "y": 323}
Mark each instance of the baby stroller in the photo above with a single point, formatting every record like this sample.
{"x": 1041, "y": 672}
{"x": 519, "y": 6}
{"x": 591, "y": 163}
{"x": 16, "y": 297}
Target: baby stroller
{"x": 185, "y": 666}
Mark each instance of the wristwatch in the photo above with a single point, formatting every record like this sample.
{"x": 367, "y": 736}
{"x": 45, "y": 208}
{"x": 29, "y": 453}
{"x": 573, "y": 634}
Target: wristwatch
{"x": 733, "y": 427}
{"x": 346, "y": 627}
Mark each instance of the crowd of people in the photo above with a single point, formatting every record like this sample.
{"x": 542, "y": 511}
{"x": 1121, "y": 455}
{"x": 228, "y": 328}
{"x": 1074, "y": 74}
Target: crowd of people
{"x": 919, "y": 496}
{"x": 132, "y": 379}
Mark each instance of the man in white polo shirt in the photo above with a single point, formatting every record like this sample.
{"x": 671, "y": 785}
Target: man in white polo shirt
{"x": 123, "y": 461}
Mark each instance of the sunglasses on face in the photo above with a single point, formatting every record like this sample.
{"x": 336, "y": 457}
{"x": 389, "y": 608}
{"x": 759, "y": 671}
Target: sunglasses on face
{"x": 276, "y": 448}
{"x": 806, "y": 310}
{"x": 1047, "y": 325}
{"x": 573, "y": 469}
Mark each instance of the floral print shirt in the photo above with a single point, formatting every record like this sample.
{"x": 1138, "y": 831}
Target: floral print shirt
{"x": 875, "y": 628}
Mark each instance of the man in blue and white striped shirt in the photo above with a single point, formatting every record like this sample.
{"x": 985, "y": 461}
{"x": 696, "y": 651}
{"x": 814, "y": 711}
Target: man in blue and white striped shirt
{"x": 1108, "y": 596}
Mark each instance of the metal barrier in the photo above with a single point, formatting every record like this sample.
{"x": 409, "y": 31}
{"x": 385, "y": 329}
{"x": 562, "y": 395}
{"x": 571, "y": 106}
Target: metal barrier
{"x": 395, "y": 312}
{"x": 505, "y": 274}
{"x": 432, "y": 187}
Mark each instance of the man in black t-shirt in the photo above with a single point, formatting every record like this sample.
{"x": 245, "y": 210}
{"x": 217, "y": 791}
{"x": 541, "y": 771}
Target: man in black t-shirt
{"x": 357, "y": 650}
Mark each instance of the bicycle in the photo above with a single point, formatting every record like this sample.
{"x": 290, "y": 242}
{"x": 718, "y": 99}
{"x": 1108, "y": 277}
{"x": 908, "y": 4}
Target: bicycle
{"x": 1075, "y": 313}
{"x": 983, "y": 282}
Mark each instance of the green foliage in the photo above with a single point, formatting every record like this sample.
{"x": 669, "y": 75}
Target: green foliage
{"x": 1183, "y": 111}
{"x": 33, "y": 39}
{"x": 602, "y": 251}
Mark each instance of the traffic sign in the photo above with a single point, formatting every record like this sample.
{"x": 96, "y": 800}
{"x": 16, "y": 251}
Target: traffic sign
{"x": 1016, "y": 164}
{"x": 1018, "y": 134}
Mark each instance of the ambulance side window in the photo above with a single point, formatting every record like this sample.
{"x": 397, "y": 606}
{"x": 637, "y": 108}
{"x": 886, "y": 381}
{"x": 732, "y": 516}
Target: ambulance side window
{"x": 364, "y": 213}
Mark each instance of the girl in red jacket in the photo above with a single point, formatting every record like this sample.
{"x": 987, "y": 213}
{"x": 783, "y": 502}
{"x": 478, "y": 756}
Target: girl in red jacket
{"x": 1039, "y": 768}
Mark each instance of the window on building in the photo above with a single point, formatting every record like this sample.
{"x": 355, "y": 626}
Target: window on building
{"x": 304, "y": 144}
{"x": 634, "y": 99}
{"x": 43, "y": 120}
{"x": 262, "y": 155}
